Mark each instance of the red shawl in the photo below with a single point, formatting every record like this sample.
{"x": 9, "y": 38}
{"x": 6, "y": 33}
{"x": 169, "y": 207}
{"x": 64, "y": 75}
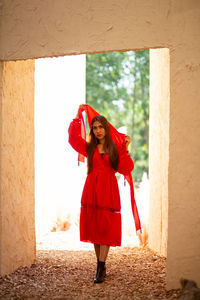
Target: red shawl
{"x": 119, "y": 139}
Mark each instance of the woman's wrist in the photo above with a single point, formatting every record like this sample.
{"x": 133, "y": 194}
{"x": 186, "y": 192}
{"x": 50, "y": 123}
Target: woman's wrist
{"x": 76, "y": 120}
{"x": 77, "y": 116}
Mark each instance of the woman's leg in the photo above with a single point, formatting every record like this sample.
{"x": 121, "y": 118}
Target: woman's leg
{"x": 101, "y": 267}
{"x": 103, "y": 252}
{"x": 97, "y": 250}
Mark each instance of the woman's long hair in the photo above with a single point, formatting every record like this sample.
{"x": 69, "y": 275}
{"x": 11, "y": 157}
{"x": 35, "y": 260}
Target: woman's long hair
{"x": 109, "y": 145}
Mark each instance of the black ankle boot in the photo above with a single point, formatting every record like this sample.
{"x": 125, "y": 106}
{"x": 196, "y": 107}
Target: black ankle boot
{"x": 97, "y": 266}
{"x": 101, "y": 272}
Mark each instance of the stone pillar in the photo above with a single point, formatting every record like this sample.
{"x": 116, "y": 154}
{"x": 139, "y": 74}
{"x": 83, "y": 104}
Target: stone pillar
{"x": 17, "y": 220}
{"x": 183, "y": 251}
{"x": 159, "y": 149}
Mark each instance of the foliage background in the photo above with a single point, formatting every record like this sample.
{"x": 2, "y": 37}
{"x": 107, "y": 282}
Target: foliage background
{"x": 117, "y": 86}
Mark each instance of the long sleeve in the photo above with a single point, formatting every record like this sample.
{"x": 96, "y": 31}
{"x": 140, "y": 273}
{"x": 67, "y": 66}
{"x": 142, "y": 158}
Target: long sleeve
{"x": 126, "y": 164}
{"x": 75, "y": 139}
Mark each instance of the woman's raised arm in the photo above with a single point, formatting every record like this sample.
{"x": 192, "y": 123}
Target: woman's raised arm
{"x": 75, "y": 139}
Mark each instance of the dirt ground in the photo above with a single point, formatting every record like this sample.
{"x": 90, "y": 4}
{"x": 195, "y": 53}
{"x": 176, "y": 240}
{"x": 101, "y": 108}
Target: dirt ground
{"x": 132, "y": 273}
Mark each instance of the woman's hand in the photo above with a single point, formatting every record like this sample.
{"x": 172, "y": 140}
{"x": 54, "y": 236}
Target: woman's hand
{"x": 127, "y": 141}
{"x": 80, "y": 109}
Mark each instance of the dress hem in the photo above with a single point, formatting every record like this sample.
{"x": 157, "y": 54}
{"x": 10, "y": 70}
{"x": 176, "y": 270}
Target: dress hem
{"x": 100, "y": 243}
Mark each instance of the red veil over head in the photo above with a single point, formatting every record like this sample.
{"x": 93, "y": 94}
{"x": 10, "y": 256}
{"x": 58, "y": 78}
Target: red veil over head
{"x": 119, "y": 139}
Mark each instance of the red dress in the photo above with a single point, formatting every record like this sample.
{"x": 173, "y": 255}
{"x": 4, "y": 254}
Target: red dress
{"x": 100, "y": 216}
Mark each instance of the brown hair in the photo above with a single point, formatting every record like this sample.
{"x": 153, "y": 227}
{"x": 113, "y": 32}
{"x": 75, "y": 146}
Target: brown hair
{"x": 109, "y": 145}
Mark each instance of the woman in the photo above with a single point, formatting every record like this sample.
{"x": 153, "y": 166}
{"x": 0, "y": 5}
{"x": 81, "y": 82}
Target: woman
{"x": 100, "y": 217}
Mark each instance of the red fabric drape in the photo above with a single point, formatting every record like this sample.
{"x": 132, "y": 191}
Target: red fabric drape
{"x": 119, "y": 139}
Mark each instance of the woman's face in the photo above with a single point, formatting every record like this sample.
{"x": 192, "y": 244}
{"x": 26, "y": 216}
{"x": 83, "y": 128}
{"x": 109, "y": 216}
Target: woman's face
{"x": 98, "y": 130}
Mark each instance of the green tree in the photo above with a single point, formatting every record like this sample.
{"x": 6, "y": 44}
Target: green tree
{"x": 117, "y": 86}
{"x": 103, "y": 90}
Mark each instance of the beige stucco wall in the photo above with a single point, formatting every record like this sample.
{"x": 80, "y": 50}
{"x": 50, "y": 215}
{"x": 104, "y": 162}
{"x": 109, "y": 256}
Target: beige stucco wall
{"x": 17, "y": 238}
{"x": 32, "y": 29}
{"x": 159, "y": 149}
{"x": 184, "y": 165}
{"x": 52, "y": 28}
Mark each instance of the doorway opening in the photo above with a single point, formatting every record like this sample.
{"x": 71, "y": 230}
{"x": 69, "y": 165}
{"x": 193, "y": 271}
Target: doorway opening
{"x": 121, "y": 81}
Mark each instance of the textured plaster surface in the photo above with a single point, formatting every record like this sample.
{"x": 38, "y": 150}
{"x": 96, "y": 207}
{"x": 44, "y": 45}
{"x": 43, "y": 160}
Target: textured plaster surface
{"x": 72, "y": 27}
{"x": 1, "y": 87}
{"x": 17, "y": 238}
{"x": 183, "y": 252}
{"x": 159, "y": 149}
{"x": 31, "y": 29}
